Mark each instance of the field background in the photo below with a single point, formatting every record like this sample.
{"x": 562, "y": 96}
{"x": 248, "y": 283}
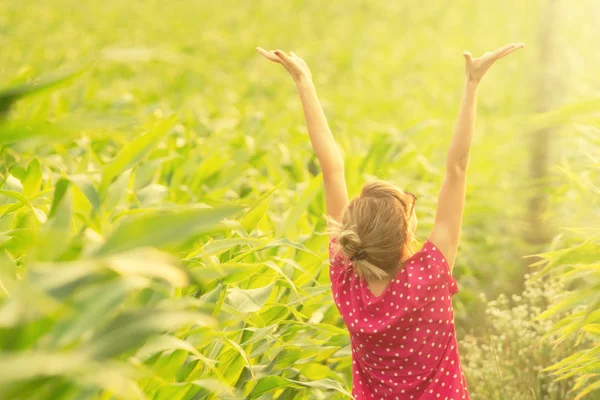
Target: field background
{"x": 119, "y": 276}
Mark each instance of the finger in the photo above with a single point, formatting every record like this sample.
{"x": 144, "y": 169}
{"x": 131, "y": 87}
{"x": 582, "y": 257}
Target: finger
{"x": 262, "y": 51}
{"x": 468, "y": 56}
{"x": 268, "y": 55}
{"x": 511, "y": 50}
{"x": 284, "y": 57}
{"x": 501, "y": 50}
{"x": 293, "y": 54}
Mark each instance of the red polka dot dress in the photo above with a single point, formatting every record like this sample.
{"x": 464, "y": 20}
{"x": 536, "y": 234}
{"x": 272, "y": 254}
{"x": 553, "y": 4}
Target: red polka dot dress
{"x": 403, "y": 341}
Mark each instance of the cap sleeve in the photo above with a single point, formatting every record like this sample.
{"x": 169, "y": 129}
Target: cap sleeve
{"x": 428, "y": 275}
{"x": 438, "y": 260}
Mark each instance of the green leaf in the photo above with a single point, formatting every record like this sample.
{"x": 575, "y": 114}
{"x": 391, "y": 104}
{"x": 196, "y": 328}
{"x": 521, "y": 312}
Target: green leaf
{"x": 162, "y": 343}
{"x": 269, "y": 383}
{"x": 314, "y": 371}
{"x": 592, "y": 328}
{"x": 88, "y": 188}
{"x": 55, "y": 235}
{"x": 59, "y": 192}
{"x": 163, "y": 228}
{"x": 33, "y": 364}
{"x": 217, "y": 387}
{"x": 570, "y": 301}
{"x": 588, "y": 389}
{"x": 152, "y": 195}
{"x": 117, "y": 192}
{"x": 95, "y": 303}
{"x": 584, "y": 253}
{"x": 211, "y": 164}
{"x": 135, "y": 151}
{"x": 129, "y": 330}
{"x": 275, "y": 243}
{"x": 219, "y": 246}
{"x": 55, "y": 131}
{"x": 287, "y": 357}
{"x": 10, "y": 95}
{"x": 564, "y": 114}
{"x": 270, "y": 264}
{"x": 248, "y": 300}
{"x": 224, "y": 273}
{"x": 301, "y": 205}
{"x": 53, "y": 276}
{"x": 259, "y": 210}
{"x": 33, "y": 178}
{"x": 23, "y": 200}
{"x": 8, "y": 273}
{"x": 148, "y": 263}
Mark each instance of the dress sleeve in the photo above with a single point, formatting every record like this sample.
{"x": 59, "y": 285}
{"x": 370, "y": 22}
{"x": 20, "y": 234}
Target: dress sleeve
{"x": 441, "y": 266}
{"x": 337, "y": 260}
{"x": 428, "y": 275}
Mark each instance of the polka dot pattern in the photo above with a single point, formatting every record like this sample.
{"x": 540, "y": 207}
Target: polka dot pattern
{"x": 403, "y": 341}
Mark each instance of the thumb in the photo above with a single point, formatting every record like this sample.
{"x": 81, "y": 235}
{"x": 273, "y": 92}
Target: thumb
{"x": 468, "y": 56}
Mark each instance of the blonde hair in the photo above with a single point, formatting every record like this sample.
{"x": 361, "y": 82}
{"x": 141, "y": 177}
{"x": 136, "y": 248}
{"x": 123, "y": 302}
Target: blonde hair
{"x": 375, "y": 230}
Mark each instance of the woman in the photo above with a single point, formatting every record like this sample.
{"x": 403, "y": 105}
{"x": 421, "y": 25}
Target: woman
{"x": 397, "y": 305}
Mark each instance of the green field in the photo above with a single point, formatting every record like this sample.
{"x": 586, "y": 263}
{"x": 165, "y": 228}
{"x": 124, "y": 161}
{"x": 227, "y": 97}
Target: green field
{"x": 161, "y": 209}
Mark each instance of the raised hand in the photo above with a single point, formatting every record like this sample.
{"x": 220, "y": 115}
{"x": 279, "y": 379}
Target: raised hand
{"x": 476, "y": 68}
{"x": 293, "y": 64}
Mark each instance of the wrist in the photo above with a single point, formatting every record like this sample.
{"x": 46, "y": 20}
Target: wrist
{"x": 472, "y": 85}
{"x": 304, "y": 82}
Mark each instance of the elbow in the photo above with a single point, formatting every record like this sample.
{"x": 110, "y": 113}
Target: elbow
{"x": 458, "y": 161}
{"x": 458, "y": 169}
{"x": 459, "y": 165}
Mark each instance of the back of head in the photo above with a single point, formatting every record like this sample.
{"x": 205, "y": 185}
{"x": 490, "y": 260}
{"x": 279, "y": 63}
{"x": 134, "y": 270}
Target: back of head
{"x": 375, "y": 230}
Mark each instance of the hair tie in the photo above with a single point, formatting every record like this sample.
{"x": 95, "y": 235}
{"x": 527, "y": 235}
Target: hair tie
{"x": 358, "y": 256}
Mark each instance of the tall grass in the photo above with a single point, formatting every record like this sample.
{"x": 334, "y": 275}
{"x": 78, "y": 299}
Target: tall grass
{"x": 159, "y": 213}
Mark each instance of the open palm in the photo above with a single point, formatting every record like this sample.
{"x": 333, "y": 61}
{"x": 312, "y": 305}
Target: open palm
{"x": 295, "y": 65}
{"x": 476, "y": 68}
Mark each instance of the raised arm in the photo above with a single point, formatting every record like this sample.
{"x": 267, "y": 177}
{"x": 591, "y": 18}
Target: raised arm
{"x": 451, "y": 200}
{"x": 323, "y": 143}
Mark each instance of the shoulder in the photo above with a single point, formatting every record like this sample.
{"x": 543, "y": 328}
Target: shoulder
{"x": 433, "y": 256}
{"x": 446, "y": 243}
{"x": 429, "y": 269}
{"x": 337, "y": 259}
{"x": 434, "y": 252}
{"x": 335, "y": 253}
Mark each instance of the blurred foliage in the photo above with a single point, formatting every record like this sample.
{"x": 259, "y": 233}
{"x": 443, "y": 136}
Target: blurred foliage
{"x": 160, "y": 211}
{"x": 504, "y": 359}
{"x": 576, "y": 313}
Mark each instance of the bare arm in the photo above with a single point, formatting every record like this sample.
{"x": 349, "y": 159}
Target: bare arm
{"x": 323, "y": 143}
{"x": 321, "y": 138}
{"x": 451, "y": 201}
